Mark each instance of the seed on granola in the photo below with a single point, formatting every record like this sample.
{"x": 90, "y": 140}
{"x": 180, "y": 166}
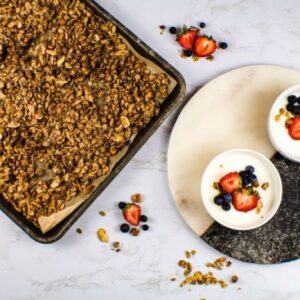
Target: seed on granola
{"x": 265, "y": 186}
{"x": 135, "y": 231}
{"x": 137, "y": 198}
{"x": 78, "y": 230}
{"x": 102, "y": 213}
{"x": 234, "y": 278}
{"x": 102, "y": 235}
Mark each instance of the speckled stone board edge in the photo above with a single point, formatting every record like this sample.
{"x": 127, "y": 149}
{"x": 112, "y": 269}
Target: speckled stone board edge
{"x": 275, "y": 242}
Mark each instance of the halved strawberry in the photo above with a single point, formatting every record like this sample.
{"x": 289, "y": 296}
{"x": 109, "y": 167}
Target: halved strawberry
{"x": 244, "y": 200}
{"x": 132, "y": 214}
{"x": 186, "y": 37}
{"x": 294, "y": 129}
{"x": 231, "y": 182}
{"x": 204, "y": 46}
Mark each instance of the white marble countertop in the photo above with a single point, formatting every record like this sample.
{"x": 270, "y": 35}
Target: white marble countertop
{"x": 79, "y": 266}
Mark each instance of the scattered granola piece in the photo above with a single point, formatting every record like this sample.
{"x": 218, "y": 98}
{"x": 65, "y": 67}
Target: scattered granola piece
{"x": 193, "y": 252}
{"x": 173, "y": 279}
{"x": 182, "y": 263}
{"x": 102, "y": 213}
{"x": 217, "y": 264}
{"x": 78, "y": 230}
{"x": 102, "y": 235}
{"x": 265, "y": 186}
{"x": 281, "y": 111}
{"x": 234, "y": 278}
{"x": 135, "y": 231}
{"x": 137, "y": 198}
{"x": 116, "y": 244}
{"x": 228, "y": 263}
{"x": 223, "y": 284}
{"x": 187, "y": 254}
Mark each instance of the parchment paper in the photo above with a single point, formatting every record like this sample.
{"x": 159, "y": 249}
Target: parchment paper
{"x": 46, "y": 223}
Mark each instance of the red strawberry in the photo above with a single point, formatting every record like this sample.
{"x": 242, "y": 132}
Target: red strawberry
{"x": 231, "y": 182}
{"x": 204, "y": 46}
{"x": 132, "y": 214}
{"x": 186, "y": 37}
{"x": 244, "y": 200}
{"x": 294, "y": 129}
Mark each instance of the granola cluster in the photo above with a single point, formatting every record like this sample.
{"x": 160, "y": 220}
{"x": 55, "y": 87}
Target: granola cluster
{"x": 72, "y": 95}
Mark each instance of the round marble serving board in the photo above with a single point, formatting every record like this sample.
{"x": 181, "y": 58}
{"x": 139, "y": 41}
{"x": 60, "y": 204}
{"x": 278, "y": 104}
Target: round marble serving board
{"x": 231, "y": 112}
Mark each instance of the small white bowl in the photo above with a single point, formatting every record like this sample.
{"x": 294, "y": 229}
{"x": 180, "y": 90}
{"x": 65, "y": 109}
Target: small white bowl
{"x": 277, "y": 131}
{"x": 236, "y": 160}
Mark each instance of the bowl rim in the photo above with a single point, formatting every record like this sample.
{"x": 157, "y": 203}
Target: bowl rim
{"x": 278, "y": 197}
{"x": 272, "y": 138}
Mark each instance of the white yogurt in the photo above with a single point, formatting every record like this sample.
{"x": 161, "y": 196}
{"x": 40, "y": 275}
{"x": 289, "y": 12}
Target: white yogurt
{"x": 237, "y": 160}
{"x": 278, "y": 133}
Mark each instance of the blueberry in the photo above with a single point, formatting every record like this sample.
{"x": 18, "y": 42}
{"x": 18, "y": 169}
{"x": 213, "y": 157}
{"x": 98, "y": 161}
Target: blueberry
{"x": 202, "y": 24}
{"x": 122, "y": 205}
{"x": 290, "y": 107}
{"x": 218, "y": 200}
{"x": 246, "y": 181}
{"x": 250, "y": 169}
{"x": 223, "y": 45}
{"x": 173, "y": 30}
{"x": 188, "y": 52}
{"x": 252, "y": 178}
{"x": 292, "y": 99}
{"x": 227, "y": 198}
{"x": 226, "y": 206}
{"x": 145, "y": 227}
{"x": 296, "y": 110}
{"x": 124, "y": 227}
{"x": 143, "y": 218}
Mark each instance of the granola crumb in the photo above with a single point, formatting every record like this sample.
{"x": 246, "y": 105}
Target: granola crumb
{"x": 137, "y": 198}
{"x": 259, "y": 206}
{"x": 281, "y": 111}
{"x": 193, "y": 252}
{"x": 277, "y": 118}
{"x": 234, "y": 278}
{"x": 217, "y": 264}
{"x": 78, "y": 230}
{"x": 216, "y": 186}
{"x": 102, "y": 235}
{"x": 102, "y": 213}
{"x": 221, "y": 166}
{"x": 228, "y": 263}
{"x": 134, "y": 231}
{"x": 187, "y": 254}
{"x": 265, "y": 186}
{"x": 173, "y": 279}
{"x": 223, "y": 284}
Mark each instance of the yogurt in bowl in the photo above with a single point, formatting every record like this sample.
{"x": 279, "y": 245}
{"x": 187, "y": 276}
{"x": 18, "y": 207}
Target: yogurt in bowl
{"x": 284, "y": 123}
{"x": 252, "y": 203}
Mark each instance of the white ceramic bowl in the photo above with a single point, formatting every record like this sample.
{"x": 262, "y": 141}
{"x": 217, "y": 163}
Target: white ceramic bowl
{"x": 236, "y": 160}
{"x": 278, "y": 133}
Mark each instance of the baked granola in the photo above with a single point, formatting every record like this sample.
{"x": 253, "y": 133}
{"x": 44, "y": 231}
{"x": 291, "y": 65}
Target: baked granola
{"x": 72, "y": 95}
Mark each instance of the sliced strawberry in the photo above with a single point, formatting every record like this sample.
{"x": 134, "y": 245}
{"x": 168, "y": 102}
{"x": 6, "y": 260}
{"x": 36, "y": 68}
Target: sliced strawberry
{"x": 186, "y": 37}
{"x": 132, "y": 214}
{"x": 231, "y": 182}
{"x": 244, "y": 200}
{"x": 294, "y": 129}
{"x": 204, "y": 46}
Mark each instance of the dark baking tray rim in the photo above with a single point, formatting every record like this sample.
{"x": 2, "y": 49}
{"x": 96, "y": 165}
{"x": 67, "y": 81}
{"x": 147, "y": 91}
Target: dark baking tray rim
{"x": 167, "y": 107}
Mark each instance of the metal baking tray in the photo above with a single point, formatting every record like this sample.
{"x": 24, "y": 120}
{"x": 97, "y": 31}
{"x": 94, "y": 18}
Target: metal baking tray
{"x": 166, "y": 108}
